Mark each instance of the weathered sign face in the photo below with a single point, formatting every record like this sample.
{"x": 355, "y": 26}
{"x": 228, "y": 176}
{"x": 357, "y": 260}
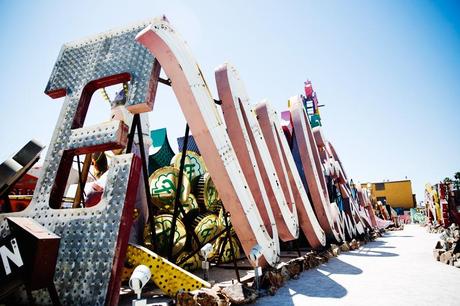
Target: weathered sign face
{"x": 288, "y": 174}
{"x": 94, "y": 239}
{"x": 306, "y": 153}
{"x": 351, "y": 221}
{"x": 363, "y": 207}
{"x": 211, "y": 137}
{"x": 253, "y": 154}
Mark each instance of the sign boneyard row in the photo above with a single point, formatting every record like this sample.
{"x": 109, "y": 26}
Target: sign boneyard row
{"x": 274, "y": 179}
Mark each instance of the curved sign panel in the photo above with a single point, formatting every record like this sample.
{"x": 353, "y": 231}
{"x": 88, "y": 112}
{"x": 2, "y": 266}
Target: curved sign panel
{"x": 288, "y": 174}
{"x": 211, "y": 137}
{"x": 253, "y": 154}
{"x": 305, "y": 150}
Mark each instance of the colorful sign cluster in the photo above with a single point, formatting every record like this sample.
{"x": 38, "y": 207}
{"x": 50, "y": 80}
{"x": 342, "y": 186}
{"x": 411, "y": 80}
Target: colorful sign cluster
{"x": 274, "y": 179}
{"x": 252, "y": 174}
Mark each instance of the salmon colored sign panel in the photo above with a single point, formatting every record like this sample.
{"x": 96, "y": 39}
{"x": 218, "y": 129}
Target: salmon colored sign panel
{"x": 253, "y": 154}
{"x": 288, "y": 174}
{"x": 210, "y": 134}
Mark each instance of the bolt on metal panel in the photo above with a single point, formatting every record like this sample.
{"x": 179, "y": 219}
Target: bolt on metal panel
{"x": 94, "y": 240}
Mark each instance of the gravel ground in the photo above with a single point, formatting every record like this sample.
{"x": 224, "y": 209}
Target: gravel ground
{"x": 397, "y": 269}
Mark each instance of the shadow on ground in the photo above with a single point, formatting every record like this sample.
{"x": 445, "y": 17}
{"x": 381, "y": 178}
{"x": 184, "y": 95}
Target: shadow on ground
{"x": 336, "y": 266}
{"x": 317, "y": 282}
{"x": 373, "y": 249}
{"x": 402, "y": 236}
{"x": 371, "y": 253}
{"x": 378, "y": 244}
{"x": 386, "y": 247}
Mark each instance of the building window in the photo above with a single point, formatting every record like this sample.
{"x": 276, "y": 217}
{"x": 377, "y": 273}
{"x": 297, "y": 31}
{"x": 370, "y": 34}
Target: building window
{"x": 379, "y": 186}
{"x": 382, "y": 199}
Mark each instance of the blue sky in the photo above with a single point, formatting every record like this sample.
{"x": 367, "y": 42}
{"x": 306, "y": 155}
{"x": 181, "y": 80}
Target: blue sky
{"x": 387, "y": 71}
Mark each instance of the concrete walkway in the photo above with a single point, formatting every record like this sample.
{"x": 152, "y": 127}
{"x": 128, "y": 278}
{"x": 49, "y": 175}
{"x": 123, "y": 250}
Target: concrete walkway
{"x": 397, "y": 269}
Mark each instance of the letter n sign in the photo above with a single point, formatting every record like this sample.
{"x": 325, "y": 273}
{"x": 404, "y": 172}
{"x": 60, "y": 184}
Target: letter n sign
{"x": 10, "y": 257}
